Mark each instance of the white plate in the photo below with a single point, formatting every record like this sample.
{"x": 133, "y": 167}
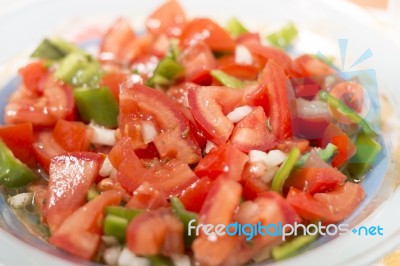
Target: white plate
{"x": 321, "y": 24}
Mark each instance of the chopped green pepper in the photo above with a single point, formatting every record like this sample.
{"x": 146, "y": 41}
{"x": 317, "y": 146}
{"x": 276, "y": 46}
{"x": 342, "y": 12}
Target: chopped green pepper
{"x": 235, "y": 27}
{"x": 285, "y": 169}
{"x": 367, "y": 151}
{"x": 174, "y": 50}
{"x": 97, "y": 105}
{"x": 122, "y": 212}
{"x": 346, "y": 111}
{"x": 167, "y": 71}
{"x": 158, "y": 260}
{"x": 284, "y": 37}
{"x": 326, "y": 154}
{"x": 92, "y": 194}
{"x": 288, "y": 249}
{"x": 55, "y": 48}
{"x": 13, "y": 173}
{"x": 79, "y": 70}
{"x": 185, "y": 217}
{"x": 115, "y": 226}
{"x": 226, "y": 79}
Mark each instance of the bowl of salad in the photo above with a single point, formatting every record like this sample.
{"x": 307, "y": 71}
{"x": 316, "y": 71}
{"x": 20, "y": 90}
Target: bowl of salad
{"x": 165, "y": 133}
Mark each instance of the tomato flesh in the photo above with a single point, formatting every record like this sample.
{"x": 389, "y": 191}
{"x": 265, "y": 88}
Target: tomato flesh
{"x": 72, "y": 136}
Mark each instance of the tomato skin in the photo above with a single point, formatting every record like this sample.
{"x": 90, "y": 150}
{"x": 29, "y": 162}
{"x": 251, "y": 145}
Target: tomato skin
{"x": 311, "y": 66}
{"x": 329, "y": 207}
{"x": 72, "y": 136}
{"x": 208, "y": 31}
{"x": 224, "y": 160}
{"x": 175, "y": 140}
{"x": 146, "y": 197}
{"x": 218, "y": 208}
{"x": 274, "y": 78}
{"x": 45, "y": 148}
{"x": 71, "y": 176}
{"x": 228, "y": 65}
{"x": 155, "y": 232}
{"x": 194, "y": 196}
{"x": 33, "y": 76}
{"x": 19, "y": 139}
{"x": 80, "y": 233}
{"x": 251, "y": 182}
{"x": 168, "y": 18}
{"x": 198, "y": 60}
{"x": 209, "y": 106}
{"x": 279, "y": 57}
{"x": 113, "y": 80}
{"x": 315, "y": 176}
{"x": 251, "y": 133}
{"x": 346, "y": 148}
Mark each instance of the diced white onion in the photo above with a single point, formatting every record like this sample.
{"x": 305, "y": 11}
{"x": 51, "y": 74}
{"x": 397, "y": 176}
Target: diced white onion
{"x": 149, "y": 131}
{"x": 209, "y": 146}
{"x": 181, "y": 260}
{"x": 243, "y": 55}
{"x": 270, "y": 159}
{"x": 103, "y": 136}
{"x": 310, "y": 109}
{"x": 269, "y": 174}
{"x": 111, "y": 255}
{"x": 127, "y": 258}
{"x": 109, "y": 241}
{"x": 239, "y": 113}
{"x": 21, "y": 200}
{"x": 106, "y": 168}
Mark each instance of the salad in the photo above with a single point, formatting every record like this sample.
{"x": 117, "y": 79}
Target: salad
{"x": 133, "y": 155}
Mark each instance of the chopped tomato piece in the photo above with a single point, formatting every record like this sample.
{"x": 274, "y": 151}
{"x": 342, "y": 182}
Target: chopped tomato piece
{"x": 19, "y": 139}
{"x": 45, "y": 148}
{"x": 72, "y": 136}
{"x": 252, "y": 133}
{"x": 315, "y": 176}
{"x": 312, "y": 66}
{"x": 34, "y": 76}
{"x": 113, "y": 81}
{"x": 194, "y": 196}
{"x": 57, "y": 102}
{"x": 274, "y": 78}
{"x": 71, "y": 176}
{"x": 168, "y": 18}
{"x": 79, "y": 234}
{"x": 175, "y": 139}
{"x": 286, "y": 145}
{"x": 204, "y": 29}
{"x": 146, "y": 197}
{"x": 39, "y": 190}
{"x": 198, "y": 60}
{"x": 329, "y": 207}
{"x": 224, "y": 160}
{"x": 209, "y": 106}
{"x": 252, "y": 182}
{"x": 156, "y": 232}
{"x": 346, "y": 148}
{"x": 218, "y": 208}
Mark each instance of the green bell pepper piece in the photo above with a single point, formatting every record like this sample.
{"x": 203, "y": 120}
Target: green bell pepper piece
{"x": 115, "y": 226}
{"x": 13, "y": 173}
{"x": 167, "y": 71}
{"x": 97, "y": 105}
{"x": 159, "y": 260}
{"x": 346, "y": 111}
{"x": 174, "y": 50}
{"x": 226, "y": 79}
{"x": 284, "y": 171}
{"x": 55, "y": 49}
{"x": 79, "y": 70}
{"x": 92, "y": 194}
{"x": 235, "y": 27}
{"x": 288, "y": 249}
{"x": 122, "y": 212}
{"x": 185, "y": 217}
{"x": 367, "y": 151}
{"x": 284, "y": 37}
{"x": 326, "y": 154}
